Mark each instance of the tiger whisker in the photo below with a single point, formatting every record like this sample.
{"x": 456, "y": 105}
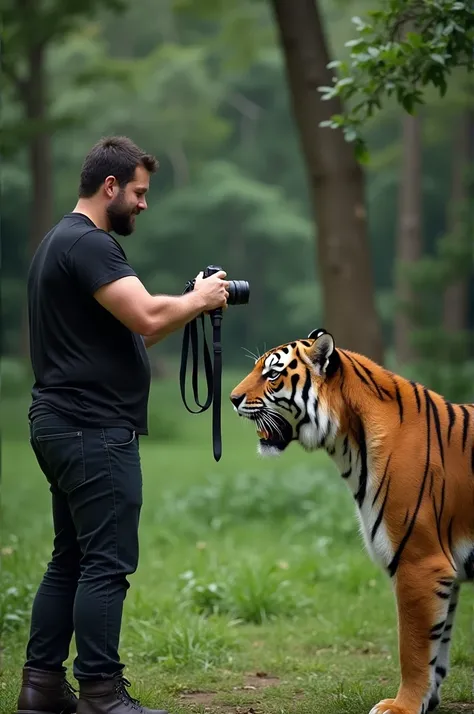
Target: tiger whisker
{"x": 271, "y": 420}
{"x": 274, "y": 424}
{"x": 250, "y": 354}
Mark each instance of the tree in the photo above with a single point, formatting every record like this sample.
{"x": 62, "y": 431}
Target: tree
{"x": 385, "y": 61}
{"x": 456, "y": 294}
{"x": 30, "y": 29}
{"x": 335, "y": 181}
{"x": 440, "y": 283}
{"x": 409, "y": 235}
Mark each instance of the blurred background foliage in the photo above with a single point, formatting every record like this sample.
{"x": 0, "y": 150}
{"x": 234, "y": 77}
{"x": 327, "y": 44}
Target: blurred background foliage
{"x": 248, "y": 179}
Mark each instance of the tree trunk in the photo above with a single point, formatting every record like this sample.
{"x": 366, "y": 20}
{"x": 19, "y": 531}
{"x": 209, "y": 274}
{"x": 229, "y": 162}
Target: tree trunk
{"x": 40, "y": 160}
{"x": 41, "y": 168}
{"x": 336, "y": 184}
{"x": 409, "y": 245}
{"x": 456, "y": 296}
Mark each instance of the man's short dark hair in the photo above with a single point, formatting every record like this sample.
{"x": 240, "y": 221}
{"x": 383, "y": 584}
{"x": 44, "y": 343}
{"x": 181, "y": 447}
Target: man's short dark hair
{"x": 115, "y": 156}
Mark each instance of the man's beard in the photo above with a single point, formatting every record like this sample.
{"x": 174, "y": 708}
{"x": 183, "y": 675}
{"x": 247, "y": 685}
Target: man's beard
{"x": 120, "y": 216}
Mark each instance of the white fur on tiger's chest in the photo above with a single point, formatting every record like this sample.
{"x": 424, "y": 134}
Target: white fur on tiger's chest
{"x": 372, "y": 527}
{"x": 369, "y": 513}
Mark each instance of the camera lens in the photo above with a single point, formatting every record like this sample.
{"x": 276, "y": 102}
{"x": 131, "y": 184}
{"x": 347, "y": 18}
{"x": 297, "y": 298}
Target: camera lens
{"x": 239, "y": 292}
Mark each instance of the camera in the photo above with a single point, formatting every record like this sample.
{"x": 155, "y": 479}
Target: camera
{"x": 239, "y": 290}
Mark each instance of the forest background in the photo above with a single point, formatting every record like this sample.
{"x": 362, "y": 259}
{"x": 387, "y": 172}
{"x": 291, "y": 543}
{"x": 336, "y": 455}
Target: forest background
{"x": 379, "y": 253}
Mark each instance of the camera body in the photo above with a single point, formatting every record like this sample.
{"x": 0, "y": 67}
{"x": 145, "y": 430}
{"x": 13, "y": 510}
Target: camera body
{"x": 239, "y": 290}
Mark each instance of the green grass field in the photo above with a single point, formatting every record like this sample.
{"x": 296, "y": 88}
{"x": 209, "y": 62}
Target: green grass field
{"x": 254, "y": 593}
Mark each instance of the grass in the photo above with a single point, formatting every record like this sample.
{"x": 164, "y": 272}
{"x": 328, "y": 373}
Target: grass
{"x": 254, "y": 592}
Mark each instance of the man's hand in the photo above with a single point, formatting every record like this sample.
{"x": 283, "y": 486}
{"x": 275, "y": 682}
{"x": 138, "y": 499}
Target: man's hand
{"x": 213, "y": 290}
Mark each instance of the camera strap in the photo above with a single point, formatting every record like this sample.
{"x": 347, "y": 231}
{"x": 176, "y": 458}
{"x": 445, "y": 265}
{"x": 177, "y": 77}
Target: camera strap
{"x": 213, "y": 372}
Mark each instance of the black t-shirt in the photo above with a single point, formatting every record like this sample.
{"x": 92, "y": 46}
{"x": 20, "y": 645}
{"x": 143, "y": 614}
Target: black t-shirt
{"x": 87, "y": 365}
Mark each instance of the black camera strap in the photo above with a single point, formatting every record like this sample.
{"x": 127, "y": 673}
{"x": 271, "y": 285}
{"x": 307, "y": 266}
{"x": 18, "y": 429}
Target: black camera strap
{"x": 217, "y": 389}
{"x": 213, "y": 372}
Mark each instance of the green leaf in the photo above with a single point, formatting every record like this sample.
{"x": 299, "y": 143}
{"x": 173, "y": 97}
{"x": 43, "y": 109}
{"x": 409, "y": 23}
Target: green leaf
{"x": 442, "y": 85}
{"x": 360, "y": 24}
{"x": 415, "y": 39}
{"x": 408, "y": 101}
{"x": 344, "y": 82}
{"x": 329, "y": 93}
{"x": 337, "y": 119}
{"x": 350, "y": 134}
{"x": 356, "y": 42}
{"x": 361, "y": 151}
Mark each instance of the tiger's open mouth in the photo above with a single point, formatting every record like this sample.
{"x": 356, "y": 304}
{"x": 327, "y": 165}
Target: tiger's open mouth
{"x": 274, "y": 431}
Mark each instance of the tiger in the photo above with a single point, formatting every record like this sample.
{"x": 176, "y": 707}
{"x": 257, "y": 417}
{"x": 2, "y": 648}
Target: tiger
{"x": 407, "y": 456}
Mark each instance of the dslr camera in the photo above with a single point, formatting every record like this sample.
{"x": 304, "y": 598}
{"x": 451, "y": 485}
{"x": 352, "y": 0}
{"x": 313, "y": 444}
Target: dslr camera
{"x": 239, "y": 290}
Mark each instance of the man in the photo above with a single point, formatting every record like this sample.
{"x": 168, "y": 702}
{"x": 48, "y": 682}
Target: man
{"x": 90, "y": 321}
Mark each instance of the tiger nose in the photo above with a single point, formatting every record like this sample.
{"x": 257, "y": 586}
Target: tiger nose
{"x": 237, "y": 399}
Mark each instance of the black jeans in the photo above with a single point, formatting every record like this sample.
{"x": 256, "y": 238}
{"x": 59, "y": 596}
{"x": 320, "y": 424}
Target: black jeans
{"x": 96, "y": 485}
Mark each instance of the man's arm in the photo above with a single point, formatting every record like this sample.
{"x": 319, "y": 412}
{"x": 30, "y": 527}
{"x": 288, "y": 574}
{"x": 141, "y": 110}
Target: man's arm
{"x": 99, "y": 265}
{"x": 156, "y": 316}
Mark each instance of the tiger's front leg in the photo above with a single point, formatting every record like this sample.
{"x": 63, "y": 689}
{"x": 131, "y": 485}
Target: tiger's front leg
{"x": 442, "y": 661}
{"x": 423, "y": 594}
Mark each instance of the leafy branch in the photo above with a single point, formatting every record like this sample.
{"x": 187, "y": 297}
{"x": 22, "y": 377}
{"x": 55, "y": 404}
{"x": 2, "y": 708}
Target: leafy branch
{"x": 386, "y": 60}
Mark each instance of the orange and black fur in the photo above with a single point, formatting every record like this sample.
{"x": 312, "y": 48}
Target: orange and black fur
{"x": 407, "y": 455}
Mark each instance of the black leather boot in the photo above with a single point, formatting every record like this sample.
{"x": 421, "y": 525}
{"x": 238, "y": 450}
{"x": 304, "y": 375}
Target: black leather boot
{"x": 45, "y": 693}
{"x": 109, "y": 696}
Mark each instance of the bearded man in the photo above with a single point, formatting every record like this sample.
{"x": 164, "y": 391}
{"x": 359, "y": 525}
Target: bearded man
{"x": 90, "y": 322}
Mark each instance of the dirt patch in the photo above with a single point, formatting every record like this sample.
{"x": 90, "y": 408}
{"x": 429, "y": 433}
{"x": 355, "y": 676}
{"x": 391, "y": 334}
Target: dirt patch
{"x": 204, "y": 698}
{"x": 259, "y": 680}
{"x": 252, "y": 683}
{"x": 459, "y": 708}
{"x": 228, "y": 709}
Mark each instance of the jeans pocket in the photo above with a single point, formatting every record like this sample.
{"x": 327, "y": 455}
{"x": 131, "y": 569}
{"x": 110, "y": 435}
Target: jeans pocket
{"x": 54, "y": 435}
{"x": 119, "y": 436}
{"x": 62, "y": 450}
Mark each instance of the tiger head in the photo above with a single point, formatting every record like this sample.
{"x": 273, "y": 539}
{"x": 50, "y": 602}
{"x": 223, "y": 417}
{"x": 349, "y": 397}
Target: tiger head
{"x": 287, "y": 394}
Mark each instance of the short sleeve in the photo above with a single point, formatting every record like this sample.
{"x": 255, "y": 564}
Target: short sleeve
{"x": 96, "y": 259}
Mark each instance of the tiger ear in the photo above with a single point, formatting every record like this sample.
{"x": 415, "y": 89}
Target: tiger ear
{"x": 321, "y": 350}
{"x": 314, "y": 334}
